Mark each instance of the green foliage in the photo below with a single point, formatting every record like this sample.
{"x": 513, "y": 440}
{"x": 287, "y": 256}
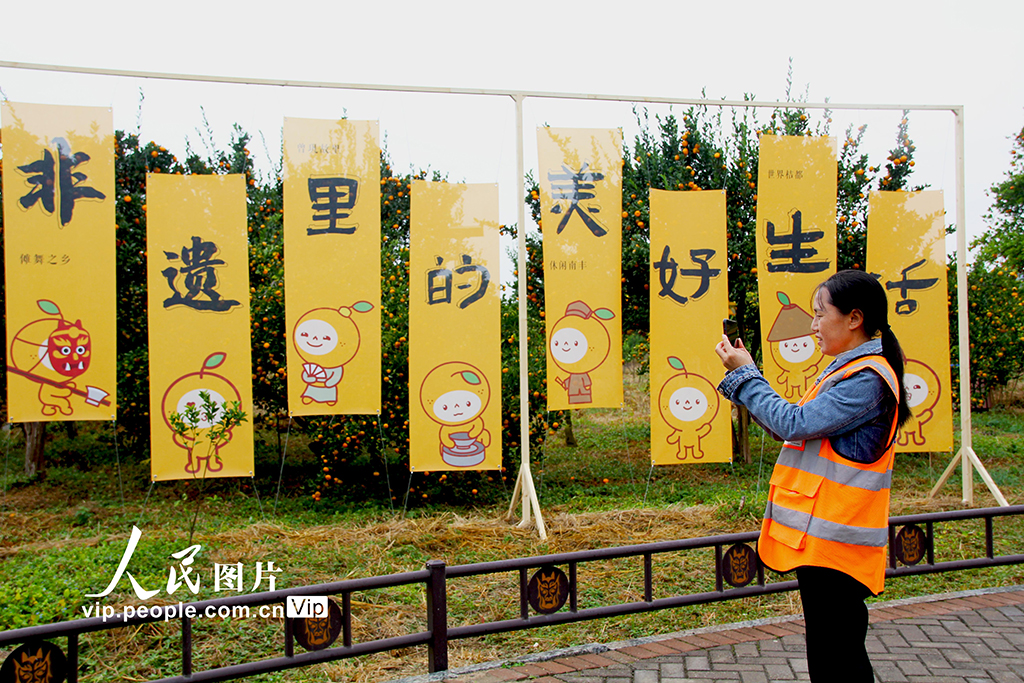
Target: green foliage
{"x": 1003, "y": 243}
{"x": 996, "y": 288}
{"x": 996, "y": 320}
{"x": 219, "y": 421}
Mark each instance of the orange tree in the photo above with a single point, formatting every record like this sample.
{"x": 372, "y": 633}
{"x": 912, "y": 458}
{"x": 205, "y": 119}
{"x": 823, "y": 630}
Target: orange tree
{"x": 996, "y": 290}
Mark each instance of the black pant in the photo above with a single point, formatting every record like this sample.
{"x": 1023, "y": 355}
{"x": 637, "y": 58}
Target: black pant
{"x": 836, "y": 619}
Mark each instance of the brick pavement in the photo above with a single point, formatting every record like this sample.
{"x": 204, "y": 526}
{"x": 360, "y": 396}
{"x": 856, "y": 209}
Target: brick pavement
{"x": 970, "y": 637}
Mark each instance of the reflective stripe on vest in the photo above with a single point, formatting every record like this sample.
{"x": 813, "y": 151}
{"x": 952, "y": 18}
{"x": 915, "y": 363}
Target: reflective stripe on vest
{"x": 809, "y": 460}
{"x": 824, "y": 529}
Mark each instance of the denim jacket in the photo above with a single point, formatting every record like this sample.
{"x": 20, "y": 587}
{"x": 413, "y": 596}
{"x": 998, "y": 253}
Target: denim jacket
{"x": 855, "y": 414}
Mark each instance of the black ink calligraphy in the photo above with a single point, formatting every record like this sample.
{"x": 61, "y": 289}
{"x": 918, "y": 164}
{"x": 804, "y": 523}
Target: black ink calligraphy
{"x": 200, "y": 278}
{"x": 794, "y": 249}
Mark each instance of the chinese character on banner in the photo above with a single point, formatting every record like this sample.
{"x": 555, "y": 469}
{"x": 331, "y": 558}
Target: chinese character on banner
{"x": 333, "y": 200}
{"x": 200, "y": 278}
{"x": 439, "y": 282}
{"x": 668, "y": 269}
{"x": 50, "y": 178}
{"x": 794, "y": 250}
{"x": 905, "y": 305}
{"x": 571, "y": 187}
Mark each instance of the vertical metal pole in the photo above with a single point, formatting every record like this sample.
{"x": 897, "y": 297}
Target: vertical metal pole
{"x": 573, "y": 594}
{"x": 437, "y": 616}
{"x": 528, "y": 491}
{"x": 289, "y": 637}
{"x": 989, "y": 543}
{"x": 186, "y": 646}
{"x": 73, "y": 658}
{"x": 346, "y": 618}
{"x": 524, "y": 598}
{"x": 719, "y": 585}
{"x": 648, "y": 579}
{"x": 966, "y": 442}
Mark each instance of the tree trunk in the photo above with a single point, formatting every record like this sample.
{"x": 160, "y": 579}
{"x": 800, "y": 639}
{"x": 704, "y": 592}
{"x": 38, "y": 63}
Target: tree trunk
{"x": 745, "y": 434}
{"x": 570, "y": 438}
{"x": 35, "y": 440}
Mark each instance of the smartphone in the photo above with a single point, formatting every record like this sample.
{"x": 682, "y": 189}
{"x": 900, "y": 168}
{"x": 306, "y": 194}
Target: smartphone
{"x": 731, "y": 328}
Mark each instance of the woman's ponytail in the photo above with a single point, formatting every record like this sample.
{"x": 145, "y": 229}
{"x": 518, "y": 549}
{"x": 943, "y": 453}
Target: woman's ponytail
{"x": 893, "y": 353}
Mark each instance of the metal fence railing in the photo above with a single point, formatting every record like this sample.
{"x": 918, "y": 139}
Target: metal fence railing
{"x": 548, "y": 597}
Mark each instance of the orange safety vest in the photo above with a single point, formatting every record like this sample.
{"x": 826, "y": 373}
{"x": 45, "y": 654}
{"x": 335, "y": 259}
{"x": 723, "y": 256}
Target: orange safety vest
{"x": 825, "y": 510}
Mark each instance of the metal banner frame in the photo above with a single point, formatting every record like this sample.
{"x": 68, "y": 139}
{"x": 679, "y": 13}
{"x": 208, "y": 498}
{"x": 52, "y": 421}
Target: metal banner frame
{"x": 525, "y": 491}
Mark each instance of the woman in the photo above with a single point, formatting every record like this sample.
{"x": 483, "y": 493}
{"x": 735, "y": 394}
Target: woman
{"x": 828, "y": 502}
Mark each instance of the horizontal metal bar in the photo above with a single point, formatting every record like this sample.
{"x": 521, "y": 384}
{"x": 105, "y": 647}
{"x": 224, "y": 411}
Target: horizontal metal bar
{"x": 955, "y": 565}
{"x": 489, "y": 628}
{"x": 228, "y": 673}
{"x": 513, "y": 564}
{"x": 290, "y": 83}
{"x": 955, "y": 515}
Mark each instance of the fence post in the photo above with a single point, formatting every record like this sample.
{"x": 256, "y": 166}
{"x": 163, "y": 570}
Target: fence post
{"x": 437, "y": 616}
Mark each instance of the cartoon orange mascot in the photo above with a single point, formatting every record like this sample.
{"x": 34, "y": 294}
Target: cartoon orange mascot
{"x": 689, "y": 404}
{"x": 794, "y": 348}
{"x": 579, "y": 344}
{"x": 454, "y": 395}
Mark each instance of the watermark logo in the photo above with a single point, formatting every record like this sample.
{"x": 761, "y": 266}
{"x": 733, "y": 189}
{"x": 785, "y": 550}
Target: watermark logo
{"x": 306, "y": 607}
{"x": 226, "y": 578}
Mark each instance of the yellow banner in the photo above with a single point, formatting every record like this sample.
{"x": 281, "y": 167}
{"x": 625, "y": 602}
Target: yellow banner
{"x": 907, "y": 251}
{"x": 59, "y": 200}
{"x": 796, "y": 251}
{"x": 581, "y": 204}
{"x": 332, "y": 266}
{"x": 690, "y": 423}
{"x": 454, "y": 328}
{"x": 198, "y": 279}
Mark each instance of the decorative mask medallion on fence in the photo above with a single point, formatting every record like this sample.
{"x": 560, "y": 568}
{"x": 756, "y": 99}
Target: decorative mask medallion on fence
{"x": 548, "y": 590}
{"x": 911, "y": 545}
{"x": 319, "y": 633}
{"x": 36, "y": 662}
{"x": 739, "y": 565}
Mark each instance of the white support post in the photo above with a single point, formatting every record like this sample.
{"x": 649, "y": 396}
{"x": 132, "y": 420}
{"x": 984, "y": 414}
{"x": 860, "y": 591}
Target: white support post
{"x": 966, "y": 456}
{"x": 525, "y": 489}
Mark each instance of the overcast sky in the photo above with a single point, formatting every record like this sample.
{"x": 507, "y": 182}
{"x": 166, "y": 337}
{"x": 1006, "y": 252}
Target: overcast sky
{"x": 892, "y": 52}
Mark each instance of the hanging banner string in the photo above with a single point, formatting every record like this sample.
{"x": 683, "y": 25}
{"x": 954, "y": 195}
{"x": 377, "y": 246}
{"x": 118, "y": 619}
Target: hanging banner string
{"x": 280, "y": 474}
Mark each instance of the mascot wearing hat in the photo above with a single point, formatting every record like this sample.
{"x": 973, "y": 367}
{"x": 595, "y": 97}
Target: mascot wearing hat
{"x": 794, "y": 348}
{"x": 579, "y": 344}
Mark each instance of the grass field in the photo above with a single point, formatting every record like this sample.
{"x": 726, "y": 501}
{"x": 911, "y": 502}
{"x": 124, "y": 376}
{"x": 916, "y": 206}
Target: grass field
{"x": 62, "y": 537}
